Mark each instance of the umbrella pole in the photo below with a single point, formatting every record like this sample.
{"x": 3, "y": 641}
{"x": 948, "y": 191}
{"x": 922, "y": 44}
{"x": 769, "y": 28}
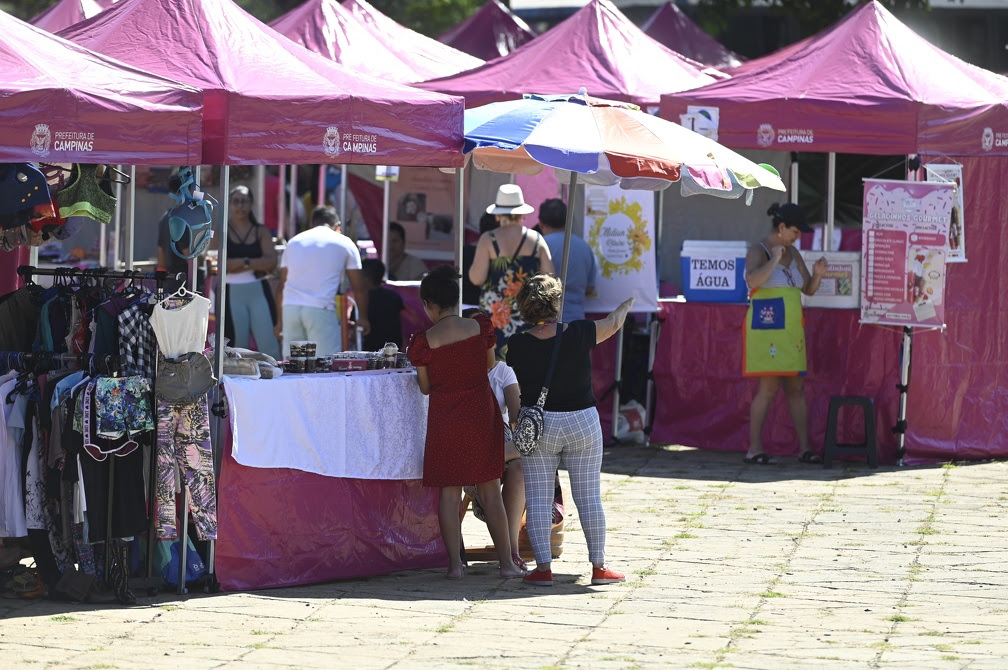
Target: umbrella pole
{"x": 460, "y": 236}
{"x": 568, "y": 230}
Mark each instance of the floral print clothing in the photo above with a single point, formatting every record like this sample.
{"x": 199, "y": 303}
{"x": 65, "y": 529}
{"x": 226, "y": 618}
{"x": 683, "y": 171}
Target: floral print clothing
{"x": 497, "y": 295}
{"x": 122, "y": 405}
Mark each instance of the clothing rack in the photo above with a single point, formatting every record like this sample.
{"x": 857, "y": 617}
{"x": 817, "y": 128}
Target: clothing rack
{"x": 44, "y": 361}
{"x": 159, "y": 277}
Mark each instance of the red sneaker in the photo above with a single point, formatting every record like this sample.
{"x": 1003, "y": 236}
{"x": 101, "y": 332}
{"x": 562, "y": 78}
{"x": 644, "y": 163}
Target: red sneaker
{"x": 539, "y": 578}
{"x": 604, "y": 575}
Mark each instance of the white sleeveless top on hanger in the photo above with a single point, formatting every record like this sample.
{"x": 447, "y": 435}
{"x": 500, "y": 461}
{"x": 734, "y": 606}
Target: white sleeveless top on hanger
{"x": 182, "y": 330}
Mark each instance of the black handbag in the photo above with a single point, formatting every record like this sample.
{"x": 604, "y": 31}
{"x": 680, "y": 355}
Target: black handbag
{"x": 528, "y": 430}
{"x": 184, "y": 379}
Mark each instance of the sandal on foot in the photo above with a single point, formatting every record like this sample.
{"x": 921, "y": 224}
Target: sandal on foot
{"x": 810, "y": 457}
{"x": 759, "y": 459}
{"x": 516, "y": 557}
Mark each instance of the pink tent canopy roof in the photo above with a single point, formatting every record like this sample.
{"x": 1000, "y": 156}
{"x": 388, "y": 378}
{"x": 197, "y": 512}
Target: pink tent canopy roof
{"x": 62, "y": 103}
{"x": 268, "y": 100}
{"x": 65, "y": 13}
{"x": 428, "y": 57}
{"x": 670, "y": 26}
{"x": 327, "y": 28}
{"x": 490, "y": 32}
{"x": 597, "y": 48}
{"x": 868, "y": 85}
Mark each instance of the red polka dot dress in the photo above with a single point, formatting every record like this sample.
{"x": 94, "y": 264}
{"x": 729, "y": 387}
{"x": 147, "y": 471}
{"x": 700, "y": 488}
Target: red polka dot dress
{"x": 465, "y": 432}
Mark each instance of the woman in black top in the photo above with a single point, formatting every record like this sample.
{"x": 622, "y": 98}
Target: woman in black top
{"x": 571, "y": 430}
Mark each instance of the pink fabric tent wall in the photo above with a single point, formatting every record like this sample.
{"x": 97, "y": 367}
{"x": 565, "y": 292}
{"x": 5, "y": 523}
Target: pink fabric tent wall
{"x": 65, "y": 13}
{"x": 598, "y": 48}
{"x": 670, "y": 26}
{"x": 106, "y": 111}
{"x": 871, "y": 85}
{"x": 270, "y": 101}
{"x": 490, "y": 32}
{"x": 327, "y": 28}
{"x": 425, "y": 55}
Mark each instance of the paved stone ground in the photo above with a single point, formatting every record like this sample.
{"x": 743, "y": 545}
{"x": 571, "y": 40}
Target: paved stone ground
{"x": 729, "y": 565}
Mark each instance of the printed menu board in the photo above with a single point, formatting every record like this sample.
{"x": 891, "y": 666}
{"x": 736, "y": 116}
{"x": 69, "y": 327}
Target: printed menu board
{"x": 905, "y": 249}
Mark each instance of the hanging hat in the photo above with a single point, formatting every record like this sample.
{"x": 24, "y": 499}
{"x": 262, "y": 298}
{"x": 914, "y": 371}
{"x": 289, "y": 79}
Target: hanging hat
{"x": 510, "y": 200}
{"x": 22, "y": 186}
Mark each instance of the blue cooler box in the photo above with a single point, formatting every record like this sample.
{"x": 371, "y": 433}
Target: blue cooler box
{"x": 714, "y": 271}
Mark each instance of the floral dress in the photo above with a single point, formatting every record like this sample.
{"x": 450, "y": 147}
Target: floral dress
{"x": 497, "y": 295}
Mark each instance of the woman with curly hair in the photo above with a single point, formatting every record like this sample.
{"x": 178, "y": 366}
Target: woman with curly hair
{"x": 500, "y": 275}
{"x": 571, "y": 432}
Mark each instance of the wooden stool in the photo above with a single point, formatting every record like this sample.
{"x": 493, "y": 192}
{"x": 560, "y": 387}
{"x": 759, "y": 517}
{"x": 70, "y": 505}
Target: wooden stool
{"x": 868, "y": 447}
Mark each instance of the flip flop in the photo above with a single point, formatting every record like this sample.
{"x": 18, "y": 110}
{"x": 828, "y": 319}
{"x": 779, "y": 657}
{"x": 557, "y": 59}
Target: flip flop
{"x": 759, "y": 459}
{"x": 810, "y": 457}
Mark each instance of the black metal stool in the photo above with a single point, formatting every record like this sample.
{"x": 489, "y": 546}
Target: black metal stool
{"x": 868, "y": 447}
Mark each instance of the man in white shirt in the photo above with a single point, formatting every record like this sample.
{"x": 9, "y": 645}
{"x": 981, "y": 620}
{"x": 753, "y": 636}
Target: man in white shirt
{"x": 311, "y": 274}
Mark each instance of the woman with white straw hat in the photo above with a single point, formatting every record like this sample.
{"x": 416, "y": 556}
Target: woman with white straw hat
{"x": 504, "y": 259}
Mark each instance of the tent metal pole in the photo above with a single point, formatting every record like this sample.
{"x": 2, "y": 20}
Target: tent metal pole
{"x": 794, "y": 177}
{"x": 281, "y": 190}
{"x": 194, "y": 262}
{"x": 260, "y": 189}
{"x": 652, "y": 351}
{"x": 132, "y": 219}
{"x": 102, "y": 246}
{"x": 830, "y": 201}
{"x": 321, "y": 185}
{"x": 117, "y": 241}
{"x": 292, "y": 221}
{"x": 460, "y": 236}
{"x": 220, "y": 314}
{"x": 343, "y": 195}
{"x": 387, "y": 190}
{"x": 568, "y": 231}
{"x": 901, "y": 423}
{"x": 617, "y": 380}
{"x": 659, "y": 217}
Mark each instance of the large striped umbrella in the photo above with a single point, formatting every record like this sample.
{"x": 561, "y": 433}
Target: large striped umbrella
{"x": 601, "y": 142}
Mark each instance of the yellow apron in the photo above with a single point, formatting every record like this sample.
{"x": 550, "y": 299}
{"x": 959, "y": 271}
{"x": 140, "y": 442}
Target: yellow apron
{"x": 774, "y": 334}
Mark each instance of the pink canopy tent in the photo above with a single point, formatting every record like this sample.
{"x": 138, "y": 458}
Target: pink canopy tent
{"x": 670, "y": 26}
{"x": 427, "y": 57}
{"x": 327, "y": 28}
{"x": 270, "y": 101}
{"x": 490, "y": 32}
{"x": 106, "y": 112}
{"x": 870, "y": 85}
{"x": 65, "y": 13}
{"x": 597, "y": 48}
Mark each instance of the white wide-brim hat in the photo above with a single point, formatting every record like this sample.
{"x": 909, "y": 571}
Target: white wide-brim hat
{"x": 510, "y": 200}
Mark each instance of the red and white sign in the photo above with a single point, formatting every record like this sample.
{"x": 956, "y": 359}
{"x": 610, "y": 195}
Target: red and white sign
{"x": 905, "y": 243}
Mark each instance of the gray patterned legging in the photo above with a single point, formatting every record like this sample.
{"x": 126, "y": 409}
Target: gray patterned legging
{"x": 574, "y": 439}
{"x": 183, "y": 438}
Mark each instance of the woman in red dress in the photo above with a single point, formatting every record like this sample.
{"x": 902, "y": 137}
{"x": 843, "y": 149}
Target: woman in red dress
{"x": 465, "y": 432}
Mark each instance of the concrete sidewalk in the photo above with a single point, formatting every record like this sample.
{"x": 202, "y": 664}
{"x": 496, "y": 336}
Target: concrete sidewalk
{"x": 728, "y": 565}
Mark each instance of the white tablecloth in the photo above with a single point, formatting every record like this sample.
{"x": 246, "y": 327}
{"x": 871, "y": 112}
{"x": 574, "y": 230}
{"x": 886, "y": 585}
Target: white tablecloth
{"x": 362, "y": 425}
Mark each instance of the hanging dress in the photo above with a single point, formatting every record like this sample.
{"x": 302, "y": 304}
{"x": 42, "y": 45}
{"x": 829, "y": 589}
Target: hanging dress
{"x": 774, "y": 329}
{"x": 497, "y": 295}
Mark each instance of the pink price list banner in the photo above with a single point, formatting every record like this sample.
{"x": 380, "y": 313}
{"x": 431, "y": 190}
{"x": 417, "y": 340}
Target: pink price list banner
{"x": 905, "y": 243}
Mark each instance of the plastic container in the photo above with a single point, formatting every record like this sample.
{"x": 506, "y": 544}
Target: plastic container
{"x": 714, "y": 271}
{"x": 840, "y": 288}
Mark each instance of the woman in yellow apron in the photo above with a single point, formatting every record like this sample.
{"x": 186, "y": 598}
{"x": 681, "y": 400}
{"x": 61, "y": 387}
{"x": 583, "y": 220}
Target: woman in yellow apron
{"x": 774, "y": 329}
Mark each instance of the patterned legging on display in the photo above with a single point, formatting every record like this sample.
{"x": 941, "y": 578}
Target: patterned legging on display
{"x": 574, "y": 439}
{"x": 183, "y": 439}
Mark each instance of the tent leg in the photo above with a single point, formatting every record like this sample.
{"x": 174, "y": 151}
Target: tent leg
{"x": 794, "y": 177}
{"x": 113, "y": 258}
{"x": 616, "y": 385}
{"x": 568, "y": 231}
{"x": 321, "y": 185}
{"x": 292, "y": 222}
{"x": 830, "y": 201}
{"x": 652, "y": 351}
{"x": 343, "y": 196}
{"x": 281, "y": 190}
{"x": 219, "y": 354}
{"x": 387, "y": 186}
{"x": 460, "y": 228}
{"x": 901, "y": 423}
